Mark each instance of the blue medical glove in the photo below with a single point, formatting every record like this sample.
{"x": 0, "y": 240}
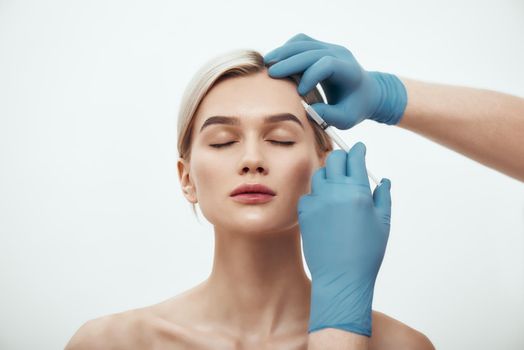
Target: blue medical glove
{"x": 353, "y": 94}
{"x": 344, "y": 231}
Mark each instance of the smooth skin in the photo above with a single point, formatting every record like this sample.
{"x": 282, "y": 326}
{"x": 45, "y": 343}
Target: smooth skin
{"x": 258, "y": 294}
{"x": 484, "y": 125}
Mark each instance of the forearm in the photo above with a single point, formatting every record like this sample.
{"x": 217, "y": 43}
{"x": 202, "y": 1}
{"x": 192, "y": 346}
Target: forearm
{"x": 336, "y": 339}
{"x": 485, "y": 125}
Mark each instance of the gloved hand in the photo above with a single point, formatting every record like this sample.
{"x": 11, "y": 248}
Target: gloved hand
{"x": 352, "y": 93}
{"x": 344, "y": 231}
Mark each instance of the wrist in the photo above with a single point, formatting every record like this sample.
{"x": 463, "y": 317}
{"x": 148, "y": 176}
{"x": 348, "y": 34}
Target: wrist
{"x": 330, "y": 338}
{"x": 342, "y": 306}
{"x": 391, "y": 98}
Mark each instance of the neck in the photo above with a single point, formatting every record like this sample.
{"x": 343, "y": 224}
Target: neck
{"x": 258, "y": 283}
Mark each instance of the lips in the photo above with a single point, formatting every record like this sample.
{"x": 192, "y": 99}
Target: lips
{"x": 253, "y": 188}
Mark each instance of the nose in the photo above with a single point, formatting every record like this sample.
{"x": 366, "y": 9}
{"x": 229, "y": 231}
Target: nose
{"x": 252, "y": 159}
{"x": 258, "y": 169}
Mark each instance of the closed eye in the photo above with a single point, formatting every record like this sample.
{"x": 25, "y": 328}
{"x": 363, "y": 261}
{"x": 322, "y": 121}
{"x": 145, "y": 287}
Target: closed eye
{"x": 219, "y": 145}
{"x": 283, "y": 143}
{"x": 280, "y": 143}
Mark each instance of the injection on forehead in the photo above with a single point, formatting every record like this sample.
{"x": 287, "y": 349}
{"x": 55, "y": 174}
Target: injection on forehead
{"x": 331, "y": 132}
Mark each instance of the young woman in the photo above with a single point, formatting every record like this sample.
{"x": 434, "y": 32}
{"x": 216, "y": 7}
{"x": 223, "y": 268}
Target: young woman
{"x": 239, "y": 126}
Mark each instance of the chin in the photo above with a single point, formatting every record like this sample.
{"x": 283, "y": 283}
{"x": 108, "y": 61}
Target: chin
{"x": 257, "y": 223}
{"x": 263, "y": 218}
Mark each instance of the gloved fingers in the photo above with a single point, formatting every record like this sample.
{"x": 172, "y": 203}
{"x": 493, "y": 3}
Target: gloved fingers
{"x": 296, "y": 64}
{"x": 301, "y": 37}
{"x": 334, "y": 115}
{"x": 357, "y": 165}
{"x": 346, "y": 72}
{"x": 382, "y": 198}
{"x": 317, "y": 72}
{"x": 336, "y": 165}
{"x": 291, "y": 49}
{"x": 319, "y": 176}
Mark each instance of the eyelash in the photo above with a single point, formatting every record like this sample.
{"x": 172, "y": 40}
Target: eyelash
{"x": 280, "y": 143}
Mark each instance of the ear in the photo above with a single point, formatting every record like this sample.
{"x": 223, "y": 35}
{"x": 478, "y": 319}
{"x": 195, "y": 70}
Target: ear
{"x": 187, "y": 185}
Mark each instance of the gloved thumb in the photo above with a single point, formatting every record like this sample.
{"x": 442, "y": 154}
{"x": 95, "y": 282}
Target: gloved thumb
{"x": 334, "y": 115}
{"x": 382, "y": 198}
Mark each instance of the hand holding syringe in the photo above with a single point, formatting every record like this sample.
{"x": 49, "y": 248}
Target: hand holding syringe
{"x": 343, "y": 244}
{"x": 353, "y": 93}
{"x": 331, "y": 132}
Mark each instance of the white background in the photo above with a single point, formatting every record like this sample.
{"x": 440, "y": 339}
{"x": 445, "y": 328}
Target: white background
{"x": 92, "y": 218}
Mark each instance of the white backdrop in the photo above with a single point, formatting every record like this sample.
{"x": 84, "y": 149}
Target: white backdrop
{"x": 92, "y": 218}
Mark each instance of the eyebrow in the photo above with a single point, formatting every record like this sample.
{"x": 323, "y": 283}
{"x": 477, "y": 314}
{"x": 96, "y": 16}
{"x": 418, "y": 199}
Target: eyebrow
{"x": 218, "y": 119}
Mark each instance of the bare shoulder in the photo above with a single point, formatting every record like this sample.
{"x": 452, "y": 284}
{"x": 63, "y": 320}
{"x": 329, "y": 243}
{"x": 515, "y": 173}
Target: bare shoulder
{"x": 124, "y": 330}
{"x": 144, "y": 328}
{"x": 176, "y": 323}
{"x": 389, "y": 333}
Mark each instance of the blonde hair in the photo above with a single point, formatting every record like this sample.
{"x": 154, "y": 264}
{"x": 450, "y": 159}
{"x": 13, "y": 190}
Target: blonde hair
{"x": 232, "y": 64}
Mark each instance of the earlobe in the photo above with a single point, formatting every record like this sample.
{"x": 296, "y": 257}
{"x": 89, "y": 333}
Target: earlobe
{"x": 181, "y": 168}
{"x": 189, "y": 194}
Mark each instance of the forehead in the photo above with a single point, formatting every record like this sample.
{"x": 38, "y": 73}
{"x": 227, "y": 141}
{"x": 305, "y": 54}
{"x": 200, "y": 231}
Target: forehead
{"x": 251, "y": 98}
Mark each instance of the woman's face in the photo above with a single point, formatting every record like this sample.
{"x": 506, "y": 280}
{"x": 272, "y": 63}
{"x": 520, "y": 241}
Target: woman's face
{"x": 250, "y": 154}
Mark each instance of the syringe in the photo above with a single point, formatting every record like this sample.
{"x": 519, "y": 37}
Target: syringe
{"x": 331, "y": 132}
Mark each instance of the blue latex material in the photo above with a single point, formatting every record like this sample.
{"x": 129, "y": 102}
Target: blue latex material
{"x": 353, "y": 94}
{"x": 344, "y": 229}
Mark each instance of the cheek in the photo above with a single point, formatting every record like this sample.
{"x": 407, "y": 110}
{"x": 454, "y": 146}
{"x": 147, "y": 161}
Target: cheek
{"x": 208, "y": 174}
{"x": 294, "y": 184}
{"x": 299, "y": 175}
